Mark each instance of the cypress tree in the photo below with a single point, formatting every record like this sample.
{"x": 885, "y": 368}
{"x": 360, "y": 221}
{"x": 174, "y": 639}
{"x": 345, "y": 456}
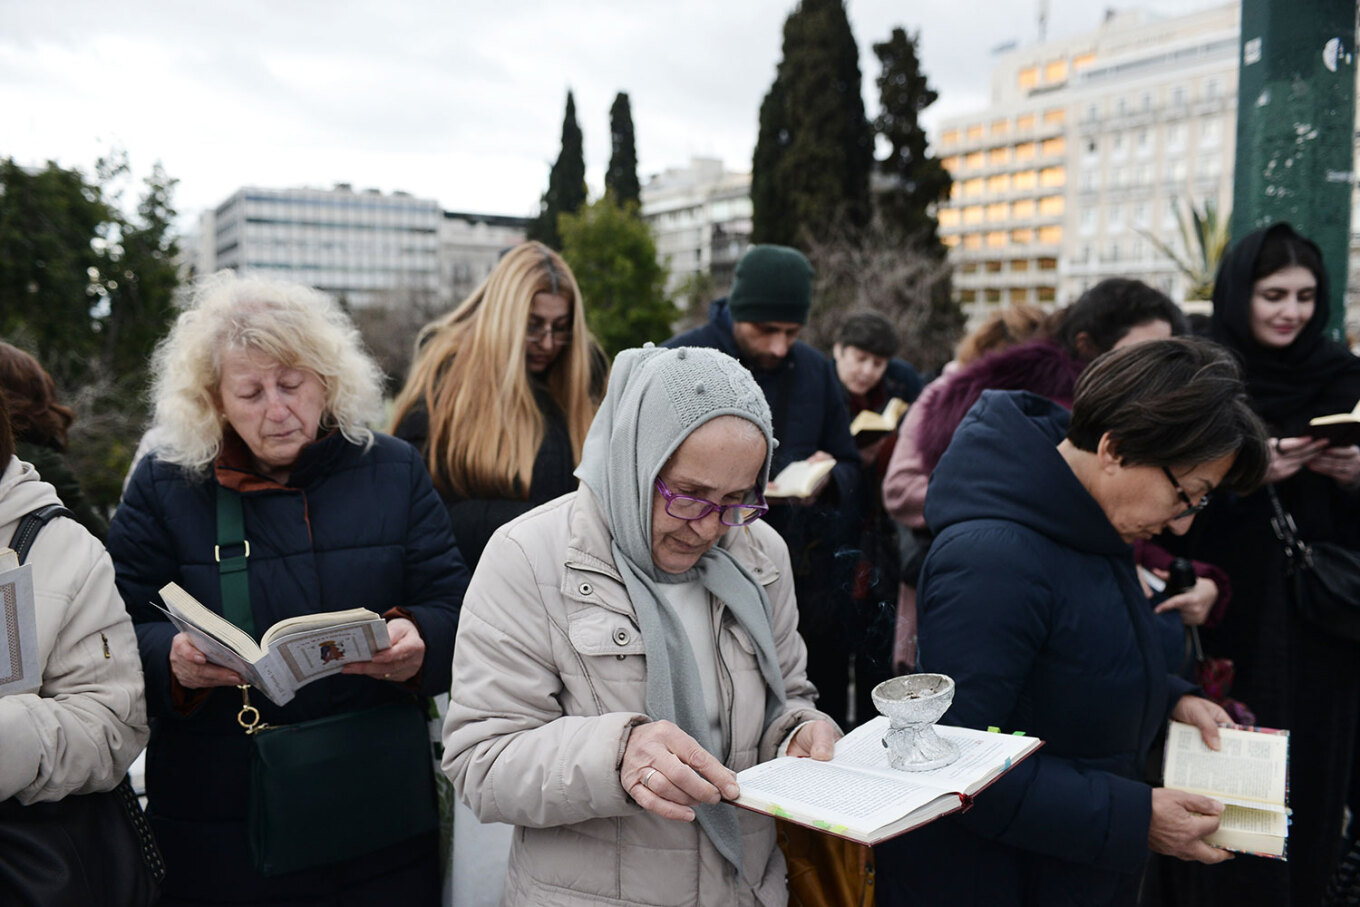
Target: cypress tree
{"x": 566, "y": 183}
{"x": 621, "y": 179}
{"x": 917, "y": 179}
{"x": 814, "y": 153}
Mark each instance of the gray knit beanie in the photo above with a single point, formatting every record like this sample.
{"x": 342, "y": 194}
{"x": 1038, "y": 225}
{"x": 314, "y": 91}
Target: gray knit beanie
{"x": 773, "y": 283}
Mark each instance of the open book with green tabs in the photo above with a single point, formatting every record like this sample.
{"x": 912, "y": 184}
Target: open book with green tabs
{"x": 1248, "y": 775}
{"x": 290, "y": 654}
{"x": 859, "y": 796}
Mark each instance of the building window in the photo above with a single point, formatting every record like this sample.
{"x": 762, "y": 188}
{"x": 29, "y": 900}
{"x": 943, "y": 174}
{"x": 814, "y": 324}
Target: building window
{"x": 951, "y": 163}
{"x": 1089, "y": 181}
{"x": 1092, "y": 113}
{"x": 998, "y": 155}
{"x": 1025, "y": 179}
{"x": 1024, "y": 208}
{"x": 1140, "y": 215}
{"x": 1055, "y": 116}
{"x": 950, "y": 137}
{"x": 974, "y": 160}
{"x": 1118, "y": 148}
{"x": 999, "y": 127}
{"x": 1056, "y": 71}
{"x": 1088, "y": 221}
{"x": 998, "y": 212}
{"x": 949, "y": 217}
{"x": 1024, "y": 122}
{"x": 1051, "y": 177}
{"x": 1028, "y": 77}
{"x": 975, "y": 132}
{"x": 1048, "y": 264}
{"x": 1050, "y": 235}
{"x": 1020, "y": 264}
{"x": 992, "y": 267}
{"x": 1054, "y": 147}
{"x": 1121, "y": 107}
{"x": 973, "y": 187}
{"x": 1211, "y": 133}
{"x": 1178, "y": 96}
{"x": 1114, "y": 220}
{"x": 996, "y": 239}
{"x": 999, "y": 183}
{"x": 1051, "y": 206}
{"x": 1211, "y": 89}
{"x": 1021, "y": 237}
{"x": 1048, "y": 294}
{"x": 972, "y": 214}
{"x": 1175, "y": 136}
{"x": 1024, "y": 151}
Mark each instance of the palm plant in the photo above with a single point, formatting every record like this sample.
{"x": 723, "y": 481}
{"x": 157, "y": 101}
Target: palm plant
{"x": 1204, "y": 237}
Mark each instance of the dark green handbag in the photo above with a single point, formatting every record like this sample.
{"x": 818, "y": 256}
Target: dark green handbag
{"x": 335, "y": 788}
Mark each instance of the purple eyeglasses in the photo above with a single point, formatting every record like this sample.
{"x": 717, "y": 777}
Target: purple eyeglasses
{"x": 686, "y": 507}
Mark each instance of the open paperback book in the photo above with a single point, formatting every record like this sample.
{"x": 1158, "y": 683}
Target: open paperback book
{"x": 1342, "y": 429}
{"x": 869, "y": 426}
{"x": 799, "y": 479}
{"x": 1248, "y": 775}
{"x": 291, "y": 654}
{"x": 859, "y": 796}
{"x": 18, "y": 627}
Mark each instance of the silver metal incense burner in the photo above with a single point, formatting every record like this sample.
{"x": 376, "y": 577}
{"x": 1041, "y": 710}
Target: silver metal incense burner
{"x": 913, "y": 703}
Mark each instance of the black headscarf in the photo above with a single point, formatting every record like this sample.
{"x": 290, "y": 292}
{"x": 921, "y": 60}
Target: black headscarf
{"x": 1313, "y": 376}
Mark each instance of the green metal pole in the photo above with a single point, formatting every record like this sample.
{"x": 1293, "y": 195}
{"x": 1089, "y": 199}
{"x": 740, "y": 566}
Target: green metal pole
{"x": 1296, "y": 127}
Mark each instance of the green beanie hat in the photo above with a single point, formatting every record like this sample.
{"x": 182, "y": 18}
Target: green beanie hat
{"x": 773, "y": 283}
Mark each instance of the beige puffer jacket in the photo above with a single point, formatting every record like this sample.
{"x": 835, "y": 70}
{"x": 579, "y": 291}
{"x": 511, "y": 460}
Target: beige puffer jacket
{"x": 549, "y": 676}
{"x": 85, "y": 725}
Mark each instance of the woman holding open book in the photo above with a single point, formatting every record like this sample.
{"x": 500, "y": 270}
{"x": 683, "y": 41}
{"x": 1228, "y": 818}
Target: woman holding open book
{"x": 1271, "y": 307}
{"x": 501, "y": 394}
{"x": 269, "y": 498}
{"x": 1030, "y": 600}
{"x": 625, "y": 649}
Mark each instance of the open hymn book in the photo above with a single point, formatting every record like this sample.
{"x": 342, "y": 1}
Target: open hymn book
{"x": 1342, "y": 429}
{"x": 1248, "y": 775}
{"x": 870, "y": 426}
{"x": 18, "y": 627}
{"x": 859, "y": 796}
{"x": 799, "y": 479}
{"x": 291, "y": 654}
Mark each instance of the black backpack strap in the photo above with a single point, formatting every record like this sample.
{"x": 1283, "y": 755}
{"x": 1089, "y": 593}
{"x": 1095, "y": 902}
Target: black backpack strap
{"x": 31, "y": 523}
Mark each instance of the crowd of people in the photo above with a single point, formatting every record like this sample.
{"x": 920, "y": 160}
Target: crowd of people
{"x": 597, "y": 565}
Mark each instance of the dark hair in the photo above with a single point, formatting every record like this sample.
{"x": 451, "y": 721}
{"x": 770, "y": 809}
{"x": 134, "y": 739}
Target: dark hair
{"x": 35, "y": 414}
{"x": 6, "y": 436}
{"x": 1285, "y": 248}
{"x": 870, "y": 332}
{"x": 1107, "y": 311}
{"x": 1173, "y": 403}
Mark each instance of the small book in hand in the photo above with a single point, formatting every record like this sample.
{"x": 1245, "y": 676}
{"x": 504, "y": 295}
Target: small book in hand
{"x": 869, "y": 425}
{"x": 290, "y": 655}
{"x": 1341, "y": 429}
{"x": 19, "y": 668}
{"x": 799, "y": 480}
{"x": 1247, "y": 774}
{"x": 859, "y": 796}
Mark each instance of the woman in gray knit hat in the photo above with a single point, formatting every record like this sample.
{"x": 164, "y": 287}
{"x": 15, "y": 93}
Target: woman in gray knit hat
{"x": 625, "y": 649}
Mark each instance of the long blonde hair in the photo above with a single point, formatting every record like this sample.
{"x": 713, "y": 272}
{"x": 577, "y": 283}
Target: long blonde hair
{"x": 471, "y": 375}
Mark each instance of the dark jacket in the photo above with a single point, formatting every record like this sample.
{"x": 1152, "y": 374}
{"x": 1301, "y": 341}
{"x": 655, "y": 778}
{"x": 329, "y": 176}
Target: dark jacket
{"x": 475, "y": 519}
{"x": 352, "y": 528}
{"x": 52, "y": 466}
{"x": 1029, "y": 600}
{"x": 804, "y": 397}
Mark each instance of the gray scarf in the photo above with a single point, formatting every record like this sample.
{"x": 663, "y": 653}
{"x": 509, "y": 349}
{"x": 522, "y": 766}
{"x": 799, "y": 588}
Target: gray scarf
{"x": 656, "y": 399}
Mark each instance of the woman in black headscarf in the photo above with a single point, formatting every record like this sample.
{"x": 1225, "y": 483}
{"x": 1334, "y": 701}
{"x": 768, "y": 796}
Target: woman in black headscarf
{"x": 1271, "y": 306}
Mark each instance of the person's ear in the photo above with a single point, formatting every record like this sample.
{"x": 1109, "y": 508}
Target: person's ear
{"x": 1086, "y": 347}
{"x": 1107, "y": 454}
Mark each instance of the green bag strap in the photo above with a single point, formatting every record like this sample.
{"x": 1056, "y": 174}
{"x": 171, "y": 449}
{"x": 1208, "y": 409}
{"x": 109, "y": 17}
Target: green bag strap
{"x": 231, "y": 567}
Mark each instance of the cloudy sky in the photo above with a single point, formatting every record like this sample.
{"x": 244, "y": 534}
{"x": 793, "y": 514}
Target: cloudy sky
{"x": 459, "y": 101}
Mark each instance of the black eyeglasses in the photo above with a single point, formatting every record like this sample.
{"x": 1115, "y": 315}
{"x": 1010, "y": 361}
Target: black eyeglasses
{"x": 1191, "y": 508}
{"x": 537, "y": 333}
{"x": 685, "y": 507}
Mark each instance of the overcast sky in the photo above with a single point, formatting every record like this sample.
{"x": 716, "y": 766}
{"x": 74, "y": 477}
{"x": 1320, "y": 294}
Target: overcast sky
{"x": 457, "y": 101}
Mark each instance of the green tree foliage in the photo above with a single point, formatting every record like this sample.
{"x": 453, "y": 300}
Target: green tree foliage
{"x": 1204, "y": 234}
{"x": 51, "y": 255}
{"x": 917, "y": 180}
{"x": 611, "y": 252}
{"x": 621, "y": 179}
{"x": 566, "y": 183}
{"x": 89, "y": 289}
{"x": 814, "y": 153}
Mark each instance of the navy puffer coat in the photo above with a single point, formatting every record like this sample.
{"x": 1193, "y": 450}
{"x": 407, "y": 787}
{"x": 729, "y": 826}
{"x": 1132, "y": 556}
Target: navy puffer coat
{"x": 1029, "y": 600}
{"x": 351, "y": 528}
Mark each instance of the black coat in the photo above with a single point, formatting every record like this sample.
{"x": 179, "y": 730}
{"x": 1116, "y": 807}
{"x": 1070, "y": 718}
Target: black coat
{"x": 352, "y": 528}
{"x": 475, "y": 519}
{"x": 1030, "y": 601}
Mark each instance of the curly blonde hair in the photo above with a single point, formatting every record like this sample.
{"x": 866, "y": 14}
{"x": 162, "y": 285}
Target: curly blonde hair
{"x": 292, "y": 324}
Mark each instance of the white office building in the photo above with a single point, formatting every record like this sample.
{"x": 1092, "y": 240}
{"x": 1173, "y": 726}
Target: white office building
{"x": 1091, "y": 147}
{"x": 700, "y": 216}
{"x": 353, "y": 245}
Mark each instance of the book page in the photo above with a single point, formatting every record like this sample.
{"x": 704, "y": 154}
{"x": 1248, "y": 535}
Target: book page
{"x": 830, "y": 796}
{"x": 19, "y": 669}
{"x": 208, "y": 622}
{"x": 797, "y": 480}
{"x": 982, "y": 755}
{"x": 308, "y": 654}
{"x": 306, "y": 622}
{"x": 1250, "y": 767}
